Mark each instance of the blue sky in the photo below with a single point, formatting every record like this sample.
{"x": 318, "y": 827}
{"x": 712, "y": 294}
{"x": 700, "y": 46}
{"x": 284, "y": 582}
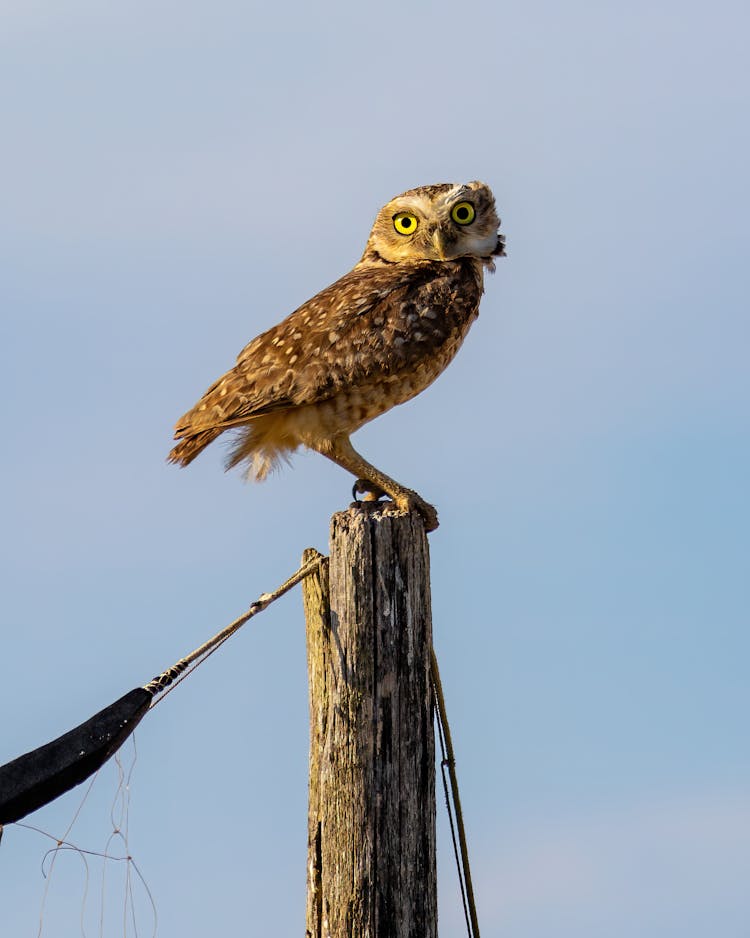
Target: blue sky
{"x": 178, "y": 177}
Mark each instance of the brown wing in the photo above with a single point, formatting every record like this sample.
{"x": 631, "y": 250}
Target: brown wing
{"x": 374, "y": 320}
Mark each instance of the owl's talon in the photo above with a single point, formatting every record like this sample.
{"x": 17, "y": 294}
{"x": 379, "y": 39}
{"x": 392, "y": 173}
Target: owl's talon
{"x": 413, "y": 502}
{"x": 400, "y": 499}
{"x": 372, "y": 492}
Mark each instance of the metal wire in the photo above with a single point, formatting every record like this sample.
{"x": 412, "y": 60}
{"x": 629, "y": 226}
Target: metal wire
{"x": 449, "y": 762}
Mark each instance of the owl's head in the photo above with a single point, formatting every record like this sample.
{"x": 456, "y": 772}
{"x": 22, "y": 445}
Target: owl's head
{"x": 437, "y": 223}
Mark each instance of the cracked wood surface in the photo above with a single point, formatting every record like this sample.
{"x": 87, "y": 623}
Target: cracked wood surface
{"x": 371, "y": 834}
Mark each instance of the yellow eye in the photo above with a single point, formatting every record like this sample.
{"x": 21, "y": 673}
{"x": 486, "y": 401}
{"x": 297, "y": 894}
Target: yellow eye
{"x": 463, "y": 213}
{"x": 405, "y": 223}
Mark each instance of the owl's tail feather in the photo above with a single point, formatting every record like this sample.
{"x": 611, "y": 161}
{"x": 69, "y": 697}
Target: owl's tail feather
{"x": 260, "y": 449}
{"x": 186, "y": 450}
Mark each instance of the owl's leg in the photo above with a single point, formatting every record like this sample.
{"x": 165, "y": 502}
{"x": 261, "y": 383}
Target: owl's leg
{"x": 340, "y": 450}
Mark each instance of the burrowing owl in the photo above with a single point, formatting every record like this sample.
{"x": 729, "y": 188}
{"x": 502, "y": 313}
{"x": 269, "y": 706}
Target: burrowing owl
{"x": 374, "y": 339}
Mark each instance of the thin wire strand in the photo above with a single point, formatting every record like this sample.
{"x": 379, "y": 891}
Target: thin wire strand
{"x": 66, "y": 845}
{"x": 117, "y": 804}
{"x": 450, "y": 762}
{"x": 451, "y": 822}
{"x": 129, "y": 906}
{"x": 449, "y": 811}
{"x": 120, "y": 820}
{"x": 60, "y": 841}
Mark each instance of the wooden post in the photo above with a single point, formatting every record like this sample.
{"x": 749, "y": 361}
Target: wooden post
{"x": 371, "y": 836}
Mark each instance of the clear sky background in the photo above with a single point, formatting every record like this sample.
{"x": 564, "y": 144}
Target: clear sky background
{"x": 177, "y": 177}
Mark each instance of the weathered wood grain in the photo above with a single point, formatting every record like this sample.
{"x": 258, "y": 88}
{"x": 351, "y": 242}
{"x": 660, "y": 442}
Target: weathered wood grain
{"x": 371, "y": 847}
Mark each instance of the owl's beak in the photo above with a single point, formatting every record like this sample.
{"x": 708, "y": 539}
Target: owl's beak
{"x": 438, "y": 241}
